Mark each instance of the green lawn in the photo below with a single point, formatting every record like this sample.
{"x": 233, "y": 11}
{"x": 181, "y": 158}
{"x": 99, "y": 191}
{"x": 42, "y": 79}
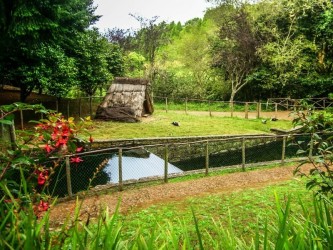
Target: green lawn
{"x": 159, "y": 125}
{"x": 239, "y": 212}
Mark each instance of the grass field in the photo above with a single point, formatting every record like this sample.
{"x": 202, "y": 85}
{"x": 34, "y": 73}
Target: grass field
{"x": 241, "y": 213}
{"x": 159, "y": 125}
{"x": 244, "y": 207}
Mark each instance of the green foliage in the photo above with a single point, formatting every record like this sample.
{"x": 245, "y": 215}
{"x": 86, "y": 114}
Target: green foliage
{"x": 134, "y": 64}
{"x": 234, "y": 51}
{"x": 37, "y": 41}
{"x": 294, "y": 54}
{"x": 183, "y": 65}
{"x": 94, "y": 62}
{"x": 319, "y": 125}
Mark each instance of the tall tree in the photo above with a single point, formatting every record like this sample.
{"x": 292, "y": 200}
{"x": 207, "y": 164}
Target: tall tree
{"x": 149, "y": 38}
{"x": 234, "y": 51}
{"x": 184, "y": 63}
{"x": 28, "y": 27}
{"x": 121, "y": 37}
{"x": 92, "y": 54}
{"x": 295, "y": 35}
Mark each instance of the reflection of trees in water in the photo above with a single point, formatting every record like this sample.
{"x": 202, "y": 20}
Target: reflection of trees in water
{"x": 91, "y": 168}
{"x": 255, "y": 154}
{"x": 93, "y": 165}
{"x": 81, "y": 174}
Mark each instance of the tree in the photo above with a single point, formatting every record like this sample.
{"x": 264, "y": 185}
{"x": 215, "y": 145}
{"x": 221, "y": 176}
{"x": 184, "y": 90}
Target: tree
{"x": 134, "y": 64}
{"x": 294, "y": 37}
{"x": 183, "y": 64}
{"x": 27, "y": 28}
{"x": 149, "y": 38}
{"x": 92, "y": 57}
{"x": 234, "y": 50}
{"x": 123, "y": 38}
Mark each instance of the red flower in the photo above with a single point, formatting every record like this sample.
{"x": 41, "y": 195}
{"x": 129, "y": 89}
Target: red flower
{"x": 76, "y": 159}
{"x": 43, "y": 206}
{"x": 60, "y": 142}
{"x": 48, "y": 148}
{"x": 79, "y": 149}
{"x": 65, "y": 131}
{"x": 42, "y": 177}
{"x": 55, "y": 134}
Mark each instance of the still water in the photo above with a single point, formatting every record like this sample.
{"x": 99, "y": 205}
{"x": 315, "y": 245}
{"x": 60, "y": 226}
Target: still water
{"x": 136, "y": 167}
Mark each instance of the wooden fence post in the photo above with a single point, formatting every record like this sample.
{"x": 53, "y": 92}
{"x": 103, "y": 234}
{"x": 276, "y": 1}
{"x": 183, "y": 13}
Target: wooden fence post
{"x": 22, "y": 119}
{"x": 120, "y": 169}
{"x": 243, "y": 154}
{"x": 324, "y": 103}
{"x": 207, "y": 157}
{"x": 166, "y": 104}
{"x": 311, "y": 148}
{"x": 258, "y": 110}
{"x": 246, "y": 110}
{"x": 68, "y": 177}
{"x": 283, "y": 149}
{"x": 90, "y": 106}
{"x": 13, "y": 136}
{"x": 166, "y": 159}
{"x": 276, "y": 110}
{"x": 186, "y": 105}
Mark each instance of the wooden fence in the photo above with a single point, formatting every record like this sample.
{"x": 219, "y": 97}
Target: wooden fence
{"x": 272, "y": 108}
{"x": 203, "y": 156}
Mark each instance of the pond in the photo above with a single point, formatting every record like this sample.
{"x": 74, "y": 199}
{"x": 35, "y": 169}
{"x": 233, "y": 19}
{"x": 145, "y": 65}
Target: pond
{"x": 103, "y": 169}
{"x": 136, "y": 166}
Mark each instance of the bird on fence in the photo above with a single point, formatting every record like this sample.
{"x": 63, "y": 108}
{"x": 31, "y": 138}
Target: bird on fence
{"x": 175, "y": 124}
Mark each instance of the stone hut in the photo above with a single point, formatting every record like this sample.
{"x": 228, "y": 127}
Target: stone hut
{"x": 126, "y": 100}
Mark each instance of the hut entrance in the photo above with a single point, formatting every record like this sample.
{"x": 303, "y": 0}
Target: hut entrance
{"x": 126, "y": 100}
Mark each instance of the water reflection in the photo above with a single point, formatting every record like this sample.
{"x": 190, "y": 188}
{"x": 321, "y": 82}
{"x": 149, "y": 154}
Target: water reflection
{"x": 137, "y": 164}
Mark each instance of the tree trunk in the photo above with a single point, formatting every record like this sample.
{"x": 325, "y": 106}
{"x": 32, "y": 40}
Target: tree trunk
{"x": 24, "y": 93}
{"x": 232, "y": 96}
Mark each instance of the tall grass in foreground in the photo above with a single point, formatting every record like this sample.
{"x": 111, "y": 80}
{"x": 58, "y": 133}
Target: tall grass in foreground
{"x": 311, "y": 229}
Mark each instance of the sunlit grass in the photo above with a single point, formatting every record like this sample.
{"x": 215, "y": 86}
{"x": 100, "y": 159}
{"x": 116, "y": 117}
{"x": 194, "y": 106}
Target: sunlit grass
{"x": 245, "y": 208}
{"x": 159, "y": 125}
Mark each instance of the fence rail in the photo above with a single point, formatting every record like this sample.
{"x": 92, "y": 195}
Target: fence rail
{"x": 118, "y": 166}
{"x": 272, "y": 108}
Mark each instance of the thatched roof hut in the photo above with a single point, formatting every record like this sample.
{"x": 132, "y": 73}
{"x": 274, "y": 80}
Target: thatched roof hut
{"x": 126, "y": 100}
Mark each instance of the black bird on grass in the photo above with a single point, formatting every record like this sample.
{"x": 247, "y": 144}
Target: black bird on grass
{"x": 175, "y": 124}
{"x": 274, "y": 119}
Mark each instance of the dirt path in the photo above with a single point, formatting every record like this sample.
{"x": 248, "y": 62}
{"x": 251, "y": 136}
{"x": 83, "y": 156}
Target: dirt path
{"x": 145, "y": 196}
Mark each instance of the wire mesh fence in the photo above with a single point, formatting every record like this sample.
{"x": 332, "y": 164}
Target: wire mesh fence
{"x": 115, "y": 167}
{"x": 272, "y": 108}
{"x": 223, "y": 108}
{"x": 80, "y": 107}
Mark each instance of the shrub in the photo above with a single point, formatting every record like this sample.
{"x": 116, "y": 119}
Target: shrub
{"x": 319, "y": 125}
